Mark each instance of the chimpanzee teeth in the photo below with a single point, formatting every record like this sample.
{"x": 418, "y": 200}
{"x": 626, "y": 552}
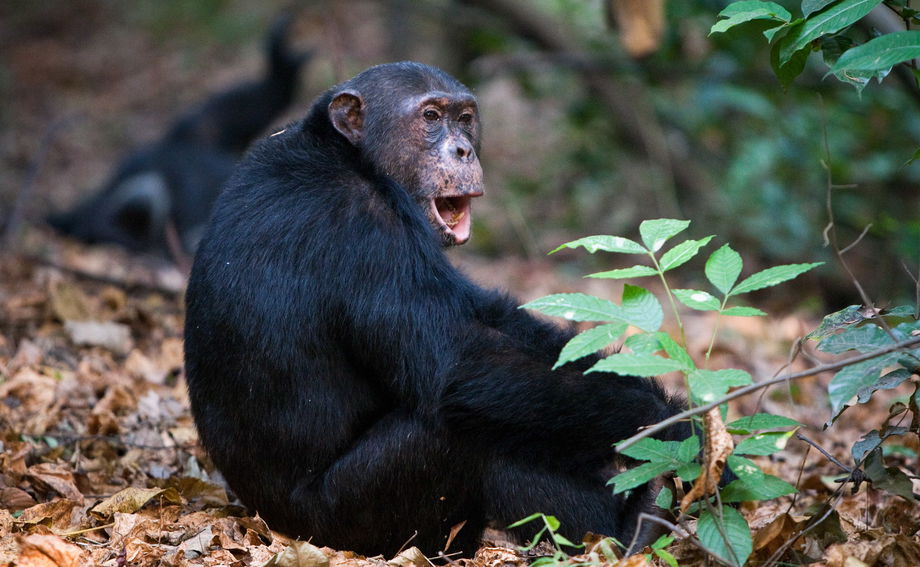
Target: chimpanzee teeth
{"x": 455, "y": 218}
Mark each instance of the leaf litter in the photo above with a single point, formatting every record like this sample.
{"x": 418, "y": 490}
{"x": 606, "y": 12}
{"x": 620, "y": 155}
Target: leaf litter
{"x": 100, "y": 463}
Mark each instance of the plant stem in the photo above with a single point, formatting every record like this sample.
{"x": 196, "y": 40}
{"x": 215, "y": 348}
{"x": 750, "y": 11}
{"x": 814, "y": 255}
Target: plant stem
{"x": 667, "y": 289}
{"x": 651, "y": 430}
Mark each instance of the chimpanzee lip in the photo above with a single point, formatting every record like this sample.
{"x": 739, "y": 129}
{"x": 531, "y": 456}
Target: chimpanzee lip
{"x": 453, "y": 213}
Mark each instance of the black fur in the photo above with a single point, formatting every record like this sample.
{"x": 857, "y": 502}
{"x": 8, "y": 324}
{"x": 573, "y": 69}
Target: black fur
{"x": 176, "y": 179}
{"x": 356, "y": 389}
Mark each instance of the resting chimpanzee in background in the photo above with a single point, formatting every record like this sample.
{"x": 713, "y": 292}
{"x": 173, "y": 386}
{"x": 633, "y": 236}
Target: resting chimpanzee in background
{"x": 172, "y": 184}
{"x": 354, "y": 387}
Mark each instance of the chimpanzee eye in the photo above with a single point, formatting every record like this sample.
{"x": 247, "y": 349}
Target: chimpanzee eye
{"x": 465, "y": 118}
{"x": 432, "y": 115}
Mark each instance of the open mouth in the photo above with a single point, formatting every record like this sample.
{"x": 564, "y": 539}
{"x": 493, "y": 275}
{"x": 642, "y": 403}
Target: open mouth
{"x": 454, "y": 215}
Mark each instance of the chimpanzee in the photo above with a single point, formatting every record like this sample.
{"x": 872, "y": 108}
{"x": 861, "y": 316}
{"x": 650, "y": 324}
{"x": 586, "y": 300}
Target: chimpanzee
{"x": 172, "y": 184}
{"x": 352, "y": 385}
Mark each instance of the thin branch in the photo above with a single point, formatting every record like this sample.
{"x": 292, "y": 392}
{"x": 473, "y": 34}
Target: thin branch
{"x": 651, "y": 430}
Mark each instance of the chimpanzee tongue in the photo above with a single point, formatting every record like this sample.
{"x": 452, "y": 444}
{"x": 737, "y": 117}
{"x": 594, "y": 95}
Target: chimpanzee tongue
{"x": 455, "y": 214}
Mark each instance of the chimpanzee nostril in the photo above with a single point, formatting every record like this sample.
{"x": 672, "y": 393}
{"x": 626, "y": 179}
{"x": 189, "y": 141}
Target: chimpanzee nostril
{"x": 463, "y": 149}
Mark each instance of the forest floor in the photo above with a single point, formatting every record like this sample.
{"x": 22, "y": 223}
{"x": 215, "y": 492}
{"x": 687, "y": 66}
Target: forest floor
{"x": 99, "y": 459}
{"x": 101, "y": 466}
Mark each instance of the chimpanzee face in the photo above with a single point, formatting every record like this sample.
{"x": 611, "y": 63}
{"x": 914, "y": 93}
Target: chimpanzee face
{"x": 424, "y": 136}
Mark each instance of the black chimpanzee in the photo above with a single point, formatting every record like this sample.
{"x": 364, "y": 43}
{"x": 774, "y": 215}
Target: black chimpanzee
{"x": 351, "y": 384}
{"x": 172, "y": 184}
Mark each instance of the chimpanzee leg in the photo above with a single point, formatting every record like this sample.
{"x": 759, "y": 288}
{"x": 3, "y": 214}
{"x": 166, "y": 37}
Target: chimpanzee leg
{"x": 581, "y": 501}
{"x": 399, "y": 469}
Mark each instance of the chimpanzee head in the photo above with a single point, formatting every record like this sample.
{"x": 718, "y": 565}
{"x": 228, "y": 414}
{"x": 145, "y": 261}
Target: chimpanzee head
{"x": 419, "y": 126}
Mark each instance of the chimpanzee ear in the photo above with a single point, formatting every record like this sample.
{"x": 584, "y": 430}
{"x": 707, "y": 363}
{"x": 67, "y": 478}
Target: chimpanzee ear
{"x": 346, "y": 111}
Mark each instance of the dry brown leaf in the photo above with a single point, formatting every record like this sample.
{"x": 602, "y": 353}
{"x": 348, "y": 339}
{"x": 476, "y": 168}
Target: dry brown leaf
{"x": 56, "y": 477}
{"x": 41, "y": 550}
{"x": 412, "y": 557}
{"x": 299, "y": 554}
{"x": 718, "y": 446}
{"x": 641, "y": 24}
{"x": 498, "y": 557}
{"x": 637, "y": 560}
{"x": 58, "y": 513}
{"x": 132, "y": 499}
{"x": 12, "y": 498}
{"x": 68, "y": 302}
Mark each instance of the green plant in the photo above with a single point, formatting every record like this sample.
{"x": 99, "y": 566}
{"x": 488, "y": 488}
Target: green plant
{"x": 825, "y": 26}
{"x": 649, "y": 352}
{"x": 549, "y": 528}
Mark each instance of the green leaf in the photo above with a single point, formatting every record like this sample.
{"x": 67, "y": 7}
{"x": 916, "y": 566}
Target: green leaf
{"x": 829, "y": 20}
{"x": 889, "y": 479}
{"x": 740, "y": 311}
{"x": 863, "y": 339}
{"x": 632, "y": 364}
{"x": 746, "y": 470}
{"x": 624, "y": 273}
{"x": 889, "y": 381}
{"x": 771, "y": 277}
{"x": 696, "y": 299}
{"x": 811, "y": 6}
{"x": 758, "y": 421}
{"x": 655, "y": 450}
{"x": 746, "y": 11}
{"x": 665, "y": 498}
{"x": 736, "y": 546}
{"x": 577, "y": 307}
{"x": 675, "y": 351}
{"x": 605, "y": 244}
{"x": 666, "y": 556}
{"x": 640, "y": 308}
{"x": 656, "y": 232}
{"x": 682, "y": 253}
{"x": 589, "y": 342}
{"x": 643, "y": 343}
{"x": 764, "y": 443}
{"x": 637, "y": 476}
{"x": 881, "y": 53}
{"x": 723, "y": 268}
{"x": 709, "y": 385}
{"x": 851, "y": 379}
{"x": 842, "y": 319}
{"x": 527, "y": 520}
{"x": 767, "y": 488}
{"x": 787, "y": 71}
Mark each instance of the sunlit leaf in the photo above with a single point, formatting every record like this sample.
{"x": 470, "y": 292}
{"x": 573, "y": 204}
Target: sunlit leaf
{"x": 605, "y": 243}
{"x": 682, "y": 253}
{"x": 632, "y": 364}
{"x": 638, "y": 271}
{"x": 709, "y": 385}
{"x": 746, "y": 11}
{"x": 589, "y": 342}
{"x": 759, "y": 421}
{"x": 641, "y": 308}
{"x": 656, "y": 232}
{"x": 577, "y": 307}
{"x": 723, "y": 268}
{"x": 763, "y": 443}
{"x": 772, "y": 276}
{"x": 742, "y": 311}
{"x": 767, "y": 488}
{"x": 696, "y": 299}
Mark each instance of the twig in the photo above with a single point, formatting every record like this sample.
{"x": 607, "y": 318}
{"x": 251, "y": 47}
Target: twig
{"x": 651, "y": 430}
{"x": 821, "y": 450}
